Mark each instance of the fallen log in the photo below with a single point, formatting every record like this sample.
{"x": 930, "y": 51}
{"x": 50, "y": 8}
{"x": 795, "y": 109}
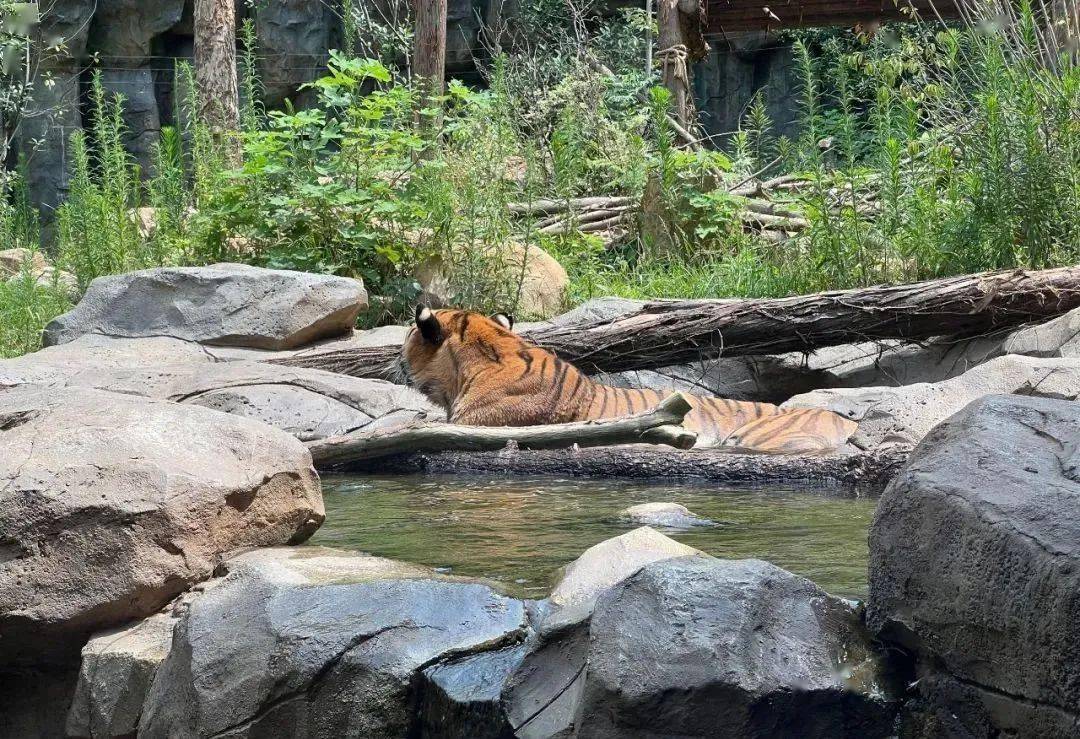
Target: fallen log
{"x": 547, "y": 207}
{"x": 847, "y": 475}
{"x": 657, "y": 426}
{"x": 664, "y": 333}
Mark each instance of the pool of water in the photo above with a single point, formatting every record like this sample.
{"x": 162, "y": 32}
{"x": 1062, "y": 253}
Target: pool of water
{"x": 519, "y": 532}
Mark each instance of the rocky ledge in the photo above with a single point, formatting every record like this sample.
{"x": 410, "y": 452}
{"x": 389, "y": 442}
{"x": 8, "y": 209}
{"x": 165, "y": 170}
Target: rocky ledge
{"x": 338, "y": 644}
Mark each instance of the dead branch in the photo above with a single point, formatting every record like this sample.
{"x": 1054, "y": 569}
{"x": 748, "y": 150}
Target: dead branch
{"x": 657, "y": 426}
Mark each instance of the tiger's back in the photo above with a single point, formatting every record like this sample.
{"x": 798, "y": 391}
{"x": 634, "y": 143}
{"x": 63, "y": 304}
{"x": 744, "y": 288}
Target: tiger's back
{"x": 485, "y": 375}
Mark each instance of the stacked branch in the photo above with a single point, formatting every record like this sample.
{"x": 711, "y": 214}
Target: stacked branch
{"x": 672, "y": 332}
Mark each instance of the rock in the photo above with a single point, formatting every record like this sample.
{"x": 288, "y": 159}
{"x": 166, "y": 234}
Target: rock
{"x": 975, "y": 554}
{"x": 906, "y": 414}
{"x": 543, "y": 279}
{"x": 293, "y": 38}
{"x": 333, "y": 644}
{"x": 596, "y": 310}
{"x": 893, "y": 363}
{"x": 118, "y": 667}
{"x": 89, "y": 360}
{"x": 541, "y": 697}
{"x": 227, "y": 304}
{"x": 603, "y": 565}
{"x": 764, "y": 379}
{"x": 670, "y": 515}
{"x": 306, "y": 403}
{"x": 1057, "y": 338}
{"x": 463, "y": 698}
{"x": 111, "y": 505}
{"x": 703, "y": 647}
{"x": 14, "y": 261}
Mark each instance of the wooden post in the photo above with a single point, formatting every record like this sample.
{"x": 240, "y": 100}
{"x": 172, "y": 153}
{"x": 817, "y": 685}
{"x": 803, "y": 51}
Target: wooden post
{"x": 429, "y": 49}
{"x": 215, "y": 68}
{"x": 681, "y": 43}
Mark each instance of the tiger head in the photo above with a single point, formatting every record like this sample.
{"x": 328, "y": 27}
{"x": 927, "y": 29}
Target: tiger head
{"x": 444, "y": 345}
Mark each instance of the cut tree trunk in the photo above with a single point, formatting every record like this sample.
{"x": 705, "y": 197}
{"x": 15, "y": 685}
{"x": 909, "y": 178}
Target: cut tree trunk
{"x": 662, "y": 334}
{"x": 215, "y": 69}
{"x": 657, "y": 426}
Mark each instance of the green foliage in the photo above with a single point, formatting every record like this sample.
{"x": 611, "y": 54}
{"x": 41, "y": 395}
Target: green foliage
{"x": 923, "y": 152}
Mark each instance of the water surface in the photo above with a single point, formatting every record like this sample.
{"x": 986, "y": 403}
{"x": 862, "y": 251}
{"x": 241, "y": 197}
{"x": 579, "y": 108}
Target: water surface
{"x": 519, "y": 532}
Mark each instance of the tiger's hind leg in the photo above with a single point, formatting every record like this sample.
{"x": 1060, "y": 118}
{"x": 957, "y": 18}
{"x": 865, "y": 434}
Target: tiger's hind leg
{"x": 793, "y": 431}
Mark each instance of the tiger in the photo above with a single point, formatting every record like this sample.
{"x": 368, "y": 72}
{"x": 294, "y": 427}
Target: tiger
{"x": 483, "y": 374}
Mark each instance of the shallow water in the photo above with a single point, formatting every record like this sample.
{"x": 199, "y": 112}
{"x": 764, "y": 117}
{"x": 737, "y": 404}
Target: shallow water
{"x": 519, "y": 532}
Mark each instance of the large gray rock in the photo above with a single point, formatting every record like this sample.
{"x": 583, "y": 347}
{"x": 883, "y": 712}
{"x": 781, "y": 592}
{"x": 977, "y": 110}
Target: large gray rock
{"x": 894, "y": 363}
{"x": 975, "y": 554}
{"x": 541, "y": 697}
{"x": 89, "y": 361}
{"x": 906, "y": 414}
{"x": 304, "y": 402}
{"x": 1057, "y": 338}
{"x": 117, "y": 669}
{"x": 698, "y": 647}
{"x": 332, "y": 644}
{"x": 601, "y": 566}
{"x": 227, "y": 304}
{"x": 111, "y": 505}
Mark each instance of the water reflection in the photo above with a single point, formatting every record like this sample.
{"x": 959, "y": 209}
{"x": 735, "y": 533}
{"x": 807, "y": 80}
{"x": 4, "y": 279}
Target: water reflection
{"x": 520, "y": 531}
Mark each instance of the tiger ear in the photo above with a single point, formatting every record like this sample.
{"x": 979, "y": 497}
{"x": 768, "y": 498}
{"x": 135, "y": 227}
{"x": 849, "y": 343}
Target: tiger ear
{"x": 504, "y": 320}
{"x": 429, "y": 325}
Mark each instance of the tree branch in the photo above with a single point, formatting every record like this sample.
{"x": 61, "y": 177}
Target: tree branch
{"x": 657, "y": 426}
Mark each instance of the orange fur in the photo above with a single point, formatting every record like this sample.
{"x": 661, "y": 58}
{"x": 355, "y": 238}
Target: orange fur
{"x": 482, "y": 374}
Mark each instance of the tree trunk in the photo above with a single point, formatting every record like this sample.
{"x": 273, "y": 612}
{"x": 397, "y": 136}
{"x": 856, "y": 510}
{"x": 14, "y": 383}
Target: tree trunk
{"x": 657, "y": 426}
{"x": 841, "y": 475}
{"x": 678, "y": 331}
{"x": 429, "y": 50}
{"x": 680, "y": 43}
{"x": 215, "y": 68}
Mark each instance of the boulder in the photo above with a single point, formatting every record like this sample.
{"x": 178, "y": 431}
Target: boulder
{"x": 112, "y": 504}
{"x": 737, "y": 648}
{"x": 90, "y": 360}
{"x": 463, "y": 698}
{"x": 892, "y": 363}
{"x": 225, "y": 304}
{"x": 13, "y": 263}
{"x": 307, "y": 403}
{"x": 1057, "y": 338}
{"x": 601, "y": 566}
{"x": 117, "y": 669}
{"x": 543, "y": 279}
{"x": 763, "y": 379}
{"x": 332, "y": 644}
{"x": 541, "y": 697}
{"x": 668, "y": 515}
{"x": 906, "y": 414}
{"x": 975, "y": 556}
